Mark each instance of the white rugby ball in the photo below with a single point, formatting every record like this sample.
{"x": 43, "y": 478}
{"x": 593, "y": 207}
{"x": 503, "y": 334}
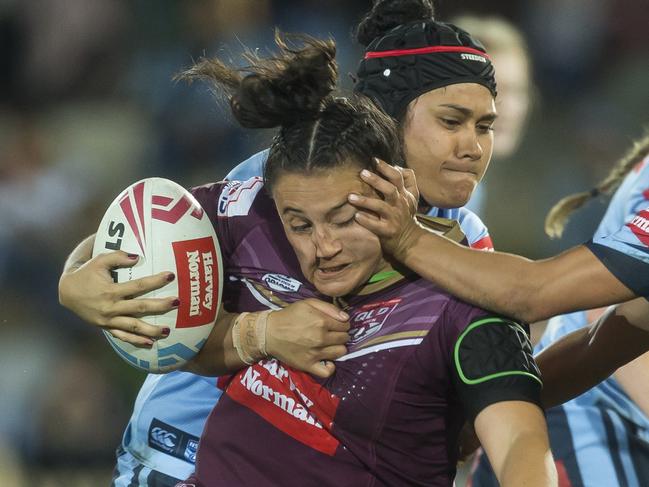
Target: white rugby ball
{"x": 167, "y": 228}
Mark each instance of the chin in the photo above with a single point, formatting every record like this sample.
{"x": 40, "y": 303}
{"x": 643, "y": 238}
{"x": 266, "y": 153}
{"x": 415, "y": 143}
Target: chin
{"x": 334, "y": 289}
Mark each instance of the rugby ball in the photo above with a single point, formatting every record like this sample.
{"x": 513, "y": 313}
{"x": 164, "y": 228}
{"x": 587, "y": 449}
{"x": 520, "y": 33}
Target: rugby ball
{"x": 167, "y": 228}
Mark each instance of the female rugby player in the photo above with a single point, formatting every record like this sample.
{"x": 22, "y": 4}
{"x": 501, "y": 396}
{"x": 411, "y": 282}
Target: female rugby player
{"x": 600, "y": 437}
{"x": 418, "y": 359}
{"x": 87, "y": 289}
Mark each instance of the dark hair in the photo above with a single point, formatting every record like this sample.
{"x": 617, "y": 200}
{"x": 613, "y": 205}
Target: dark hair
{"x": 293, "y": 91}
{"x": 559, "y": 214}
{"x": 388, "y": 14}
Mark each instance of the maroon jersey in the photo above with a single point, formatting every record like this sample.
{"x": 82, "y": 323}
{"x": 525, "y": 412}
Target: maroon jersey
{"x": 391, "y": 413}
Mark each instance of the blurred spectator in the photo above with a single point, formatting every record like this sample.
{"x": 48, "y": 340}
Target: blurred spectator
{"x": 511, "y": 59}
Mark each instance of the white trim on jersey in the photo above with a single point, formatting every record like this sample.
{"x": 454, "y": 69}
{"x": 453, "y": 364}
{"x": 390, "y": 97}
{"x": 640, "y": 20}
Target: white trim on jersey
{"x": 381, "y": 346}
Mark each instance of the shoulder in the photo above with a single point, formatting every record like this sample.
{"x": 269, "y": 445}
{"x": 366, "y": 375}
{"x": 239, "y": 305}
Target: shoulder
{"x": 475, "y": 230}
{"x": 253, "y": 166}
{"x": 472, "y": 226}
{"x": 240, "y": 198}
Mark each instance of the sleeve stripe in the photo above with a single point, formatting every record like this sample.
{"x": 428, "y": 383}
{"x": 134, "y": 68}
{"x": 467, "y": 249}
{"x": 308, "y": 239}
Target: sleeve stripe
{"x": 484, "y": 243}
{"x": 628, "y": 270}
{"x": 456, "y": 354}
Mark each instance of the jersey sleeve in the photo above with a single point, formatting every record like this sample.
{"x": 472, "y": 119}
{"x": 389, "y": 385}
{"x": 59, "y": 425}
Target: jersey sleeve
{"x": 229, "y": 205}
{"x": 250, "y": 168}
{"x": 491, "y": 359}
{"x": 475, "y": 230}
{"x": 625, "y": 249}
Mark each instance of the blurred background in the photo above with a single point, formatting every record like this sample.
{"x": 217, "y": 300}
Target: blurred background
{"x": 88, "y": 105}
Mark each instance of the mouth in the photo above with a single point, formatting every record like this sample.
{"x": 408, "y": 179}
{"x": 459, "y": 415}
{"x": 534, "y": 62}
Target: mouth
{"x": 461, "y": 170}
{"x": 331, "y": 271}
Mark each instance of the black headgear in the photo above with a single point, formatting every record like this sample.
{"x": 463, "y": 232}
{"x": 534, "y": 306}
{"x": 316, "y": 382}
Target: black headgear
{"x": 417, "y": 57}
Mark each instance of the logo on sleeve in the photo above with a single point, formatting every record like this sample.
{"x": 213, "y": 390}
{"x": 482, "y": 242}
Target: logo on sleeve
{"x": 237, "y": 197}
{"x": 369, "y": 319}
{"x": 172, "y": 441}
{"x": 640, "y": 226}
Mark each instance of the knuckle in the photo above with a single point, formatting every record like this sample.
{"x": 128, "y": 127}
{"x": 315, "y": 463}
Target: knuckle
{"x": 105, "y": 310}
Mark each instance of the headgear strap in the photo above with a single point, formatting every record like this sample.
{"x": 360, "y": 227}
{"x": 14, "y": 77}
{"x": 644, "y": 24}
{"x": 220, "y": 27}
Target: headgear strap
{"x": 414, "y": 58}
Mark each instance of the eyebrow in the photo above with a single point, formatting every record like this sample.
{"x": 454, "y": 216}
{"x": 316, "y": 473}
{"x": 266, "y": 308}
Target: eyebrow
{"x": 491, "y": 116}
{"x": 289, "y": 209}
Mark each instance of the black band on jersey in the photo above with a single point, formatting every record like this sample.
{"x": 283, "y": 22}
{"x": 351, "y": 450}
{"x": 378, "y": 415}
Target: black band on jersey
{"x": 628, "y": 270}
{"x": 493, "y": 363}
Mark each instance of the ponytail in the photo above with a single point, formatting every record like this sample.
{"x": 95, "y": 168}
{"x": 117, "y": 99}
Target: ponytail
{"x": 559, "y": 215}
{"x": 278, "y": 91}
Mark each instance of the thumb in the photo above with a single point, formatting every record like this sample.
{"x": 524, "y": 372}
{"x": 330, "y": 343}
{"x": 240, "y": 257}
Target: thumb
{"x": 328, "y": 309}
{"x": 322, "y": 369}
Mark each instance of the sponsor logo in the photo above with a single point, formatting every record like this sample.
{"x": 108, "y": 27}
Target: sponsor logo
{"x": 190, "y": 451}
{"x": 290, "y": 400}
{"x": 195, "y": 262}
{"x": 163, "y": 438}
{"x": 172, "y": 441}
{"x": 640, "y": 226}
{"x": 473, "y": 57}
{"x": 369, "y": 319}
{"x": 228, "y": 191}
{"x": 236, "y": 198}
{"x": 280, "y": 282}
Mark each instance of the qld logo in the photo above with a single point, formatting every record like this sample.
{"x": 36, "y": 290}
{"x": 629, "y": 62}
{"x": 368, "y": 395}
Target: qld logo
{"x": 369, "y": 319}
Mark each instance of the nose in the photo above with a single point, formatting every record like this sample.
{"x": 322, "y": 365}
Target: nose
{"x": 326, "y": 244}
{"x": 469, "y": 145}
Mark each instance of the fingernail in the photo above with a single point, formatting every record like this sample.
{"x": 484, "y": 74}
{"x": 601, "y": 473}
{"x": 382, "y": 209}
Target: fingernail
{"x": 175, "y": 303}
{"x": 149, "y": 344}
{"x": 165, "y": 332}
{"x": 132, "y": 256}
{"x": 343, "y": 315}
{"x": 170, "y": 277}
{"x": 365, "y": 173}
{"x": 353, "y": 197}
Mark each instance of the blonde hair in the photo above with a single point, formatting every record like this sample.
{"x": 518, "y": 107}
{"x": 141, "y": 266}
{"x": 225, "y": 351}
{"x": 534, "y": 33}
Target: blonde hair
{"x": 558, "y": 216}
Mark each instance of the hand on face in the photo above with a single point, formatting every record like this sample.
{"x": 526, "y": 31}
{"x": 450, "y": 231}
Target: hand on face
{"x": 308, "y": 335}
{"x": 90, "y": 292}
{"x": 392, "y": 218}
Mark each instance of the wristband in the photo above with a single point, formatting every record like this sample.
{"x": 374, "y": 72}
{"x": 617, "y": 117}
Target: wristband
{"x": 261, "y": 326}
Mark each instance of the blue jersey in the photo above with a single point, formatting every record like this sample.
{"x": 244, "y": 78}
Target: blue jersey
{"x": 601, "y": 438}
{"x": 164, "y": 424}
{"x": 621, "y": 241}
{"x": 475, "y": 231}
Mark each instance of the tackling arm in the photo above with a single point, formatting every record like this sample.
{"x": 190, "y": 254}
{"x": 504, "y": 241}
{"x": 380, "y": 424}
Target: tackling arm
{"x": 582, "y": 359}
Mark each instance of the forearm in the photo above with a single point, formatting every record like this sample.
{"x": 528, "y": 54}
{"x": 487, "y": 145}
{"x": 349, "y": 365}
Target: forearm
{"x": 529, "y": 462}
{"x": 587, "y": 356}
{"x": 491, "y": 280}
{"x": 218, "y": 355}
{"x": 634, "y": 379}
{"x": 513, "y": 285}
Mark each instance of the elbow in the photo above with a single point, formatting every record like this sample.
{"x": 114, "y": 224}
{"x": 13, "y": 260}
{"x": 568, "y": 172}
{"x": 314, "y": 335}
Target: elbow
{"x": 525, "y": 305}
